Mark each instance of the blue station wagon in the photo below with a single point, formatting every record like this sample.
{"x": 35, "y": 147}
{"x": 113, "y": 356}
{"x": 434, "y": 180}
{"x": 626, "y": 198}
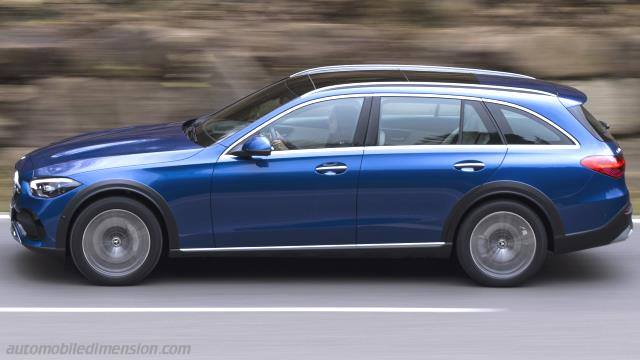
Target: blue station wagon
{"x": 490, "y": 168}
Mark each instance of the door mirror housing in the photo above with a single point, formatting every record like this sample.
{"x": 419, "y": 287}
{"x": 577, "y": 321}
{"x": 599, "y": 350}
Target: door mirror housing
{"x": 256, "y": 146}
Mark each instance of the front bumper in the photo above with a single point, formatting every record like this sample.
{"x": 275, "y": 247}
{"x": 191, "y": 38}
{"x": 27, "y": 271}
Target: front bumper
{"x": 619, "y": 228}
{"x": 33, "y": 221}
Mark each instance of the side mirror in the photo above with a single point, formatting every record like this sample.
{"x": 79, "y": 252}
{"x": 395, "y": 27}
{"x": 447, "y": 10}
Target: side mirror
{"x": 256, "y": 146}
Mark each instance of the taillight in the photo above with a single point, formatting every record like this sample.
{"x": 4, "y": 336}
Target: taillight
{"x": 605, "y": 164}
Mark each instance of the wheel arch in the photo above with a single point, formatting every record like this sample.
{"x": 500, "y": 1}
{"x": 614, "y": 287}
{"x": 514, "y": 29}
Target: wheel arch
{"x": 511, "y": 190}
{"x": 127, "y": 188}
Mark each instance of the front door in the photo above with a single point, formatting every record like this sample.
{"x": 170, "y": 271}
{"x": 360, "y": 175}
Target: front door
{"x": 304, "y": 193}
{"x": 427, "y": 152}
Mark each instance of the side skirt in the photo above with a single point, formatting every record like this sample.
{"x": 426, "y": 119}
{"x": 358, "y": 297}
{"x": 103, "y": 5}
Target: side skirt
{"x": 434, "y": 249}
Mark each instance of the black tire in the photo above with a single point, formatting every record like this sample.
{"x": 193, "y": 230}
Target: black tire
{"x": 503, "y": 244}
{"x": 141, "y": 244}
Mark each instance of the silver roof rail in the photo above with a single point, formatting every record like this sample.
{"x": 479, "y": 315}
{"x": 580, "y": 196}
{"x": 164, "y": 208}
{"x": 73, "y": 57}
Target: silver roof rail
{"x": 426, "y": 84}
{"x": 364, "y": 67}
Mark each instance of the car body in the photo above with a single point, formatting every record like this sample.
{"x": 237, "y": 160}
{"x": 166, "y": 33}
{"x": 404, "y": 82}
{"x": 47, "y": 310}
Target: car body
{"x": 341, "y": 158}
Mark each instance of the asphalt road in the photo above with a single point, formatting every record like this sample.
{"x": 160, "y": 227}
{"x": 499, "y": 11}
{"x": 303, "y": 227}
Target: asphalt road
{"x": 582, "y": 306}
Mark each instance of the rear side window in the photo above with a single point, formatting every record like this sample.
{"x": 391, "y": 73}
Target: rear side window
{"x": 595, "y": 126}
{"x": 418, "y": 121}
{"x": 520, "y": 127}
{"x": 435, "y": 121}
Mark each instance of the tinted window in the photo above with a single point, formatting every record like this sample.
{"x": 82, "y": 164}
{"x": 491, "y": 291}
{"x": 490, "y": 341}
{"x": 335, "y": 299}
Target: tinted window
{"x": 520, "y": 127}
{"x": 591, "y": 123}
{"x": 348, "y": 77}
{"x": 326, "y": 124}
{"x": 477, "y": 127}
{"x": 418, "y": 121}
{"x": 243, "y": 112}
{"x": 426, "y": 76}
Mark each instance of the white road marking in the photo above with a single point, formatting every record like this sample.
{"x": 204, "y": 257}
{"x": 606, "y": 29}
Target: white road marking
{"x": 246, "y": 310}
{"x": 636, "y": 221}
{"x": 4, "y": 216}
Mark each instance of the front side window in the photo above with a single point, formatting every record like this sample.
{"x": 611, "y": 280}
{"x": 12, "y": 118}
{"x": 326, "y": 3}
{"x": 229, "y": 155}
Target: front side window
{"x": 520, "y": 127}
{"x": 434, "y": 121}
{"x": 326, "y": 124}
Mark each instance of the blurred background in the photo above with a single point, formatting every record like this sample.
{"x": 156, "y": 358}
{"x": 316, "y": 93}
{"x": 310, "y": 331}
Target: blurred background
{"x": 70, "y": 66}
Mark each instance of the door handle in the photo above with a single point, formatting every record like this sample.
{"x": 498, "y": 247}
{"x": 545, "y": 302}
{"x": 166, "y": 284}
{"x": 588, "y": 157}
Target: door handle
{"x": 469, "y": 166}
{"x": 334, "y": 168}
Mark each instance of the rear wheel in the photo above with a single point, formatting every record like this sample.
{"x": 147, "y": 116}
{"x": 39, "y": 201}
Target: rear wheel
{"x": 501, "y": 243}
{"x": 116, "y": 241}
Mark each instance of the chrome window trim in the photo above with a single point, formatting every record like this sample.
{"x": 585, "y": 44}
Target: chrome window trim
{"x": 318, "y": 247}
{"x": 542, "y": 147}
{"x": 275, "y": 118}
{"x": 301, "y": 153}
{"x": 576, "y": 144}
{"x": 398, "y": 67}
{"x": 553, "y": 124}
{"x": 418, "y": 149}
{"x": 426, "y": 83}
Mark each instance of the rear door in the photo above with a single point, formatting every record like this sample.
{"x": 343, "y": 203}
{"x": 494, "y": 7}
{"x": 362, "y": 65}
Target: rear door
{"x": 422, "y": 155}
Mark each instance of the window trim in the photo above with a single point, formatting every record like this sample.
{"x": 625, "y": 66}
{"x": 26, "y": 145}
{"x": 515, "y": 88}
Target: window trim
{"x": 374, "y": 124}
{"x": 373, "y": 142}
{"x": 366, "y": 105}
{"x": 576, "y": 143}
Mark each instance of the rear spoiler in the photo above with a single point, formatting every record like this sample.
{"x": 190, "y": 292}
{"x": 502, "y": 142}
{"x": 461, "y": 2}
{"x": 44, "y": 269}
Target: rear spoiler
{"x": 570, "y": 96}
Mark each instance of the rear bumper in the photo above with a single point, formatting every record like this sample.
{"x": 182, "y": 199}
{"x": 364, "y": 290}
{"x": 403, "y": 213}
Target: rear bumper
{"x": 617, "y": 229}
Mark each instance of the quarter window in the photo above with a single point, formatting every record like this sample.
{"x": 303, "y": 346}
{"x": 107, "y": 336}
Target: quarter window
{"x": 520, "y": 127}
{"x": 326, "y": 124}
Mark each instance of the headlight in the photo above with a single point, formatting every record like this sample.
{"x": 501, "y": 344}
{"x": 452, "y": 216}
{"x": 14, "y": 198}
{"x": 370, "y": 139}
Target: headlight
{"x": 52, "y": 187}
{"x": 16, "y": 181}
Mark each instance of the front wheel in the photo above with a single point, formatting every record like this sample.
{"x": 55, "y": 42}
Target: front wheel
{"x": 501, "y": 243}
{"x": 116, "y": 241}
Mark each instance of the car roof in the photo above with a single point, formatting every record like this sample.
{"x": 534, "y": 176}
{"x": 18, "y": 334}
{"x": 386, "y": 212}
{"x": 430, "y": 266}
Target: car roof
{"x": 351, "y": 76}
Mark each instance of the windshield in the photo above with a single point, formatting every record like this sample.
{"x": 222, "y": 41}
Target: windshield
{"x": 217, "y": 126}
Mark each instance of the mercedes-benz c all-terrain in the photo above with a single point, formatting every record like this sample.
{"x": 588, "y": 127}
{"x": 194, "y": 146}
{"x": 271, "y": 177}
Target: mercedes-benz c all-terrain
{"x": 490, "y": 168}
